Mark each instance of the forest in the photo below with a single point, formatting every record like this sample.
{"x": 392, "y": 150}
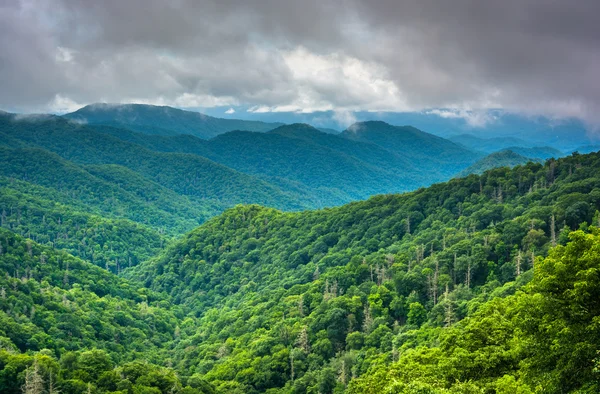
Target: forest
{"x": 482, "y": 284}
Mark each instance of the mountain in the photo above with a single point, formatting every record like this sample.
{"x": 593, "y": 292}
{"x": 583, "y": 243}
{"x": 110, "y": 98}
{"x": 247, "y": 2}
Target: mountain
{"x": 565, "y": 134}
{"x": 538, "y": 152}
{"x": 479, "y": 284}
{"x": 504, "y": 158}
{"x": 489, "y": 145}
{"x": 517, "y": 145}
{"x": 55, "y": 218}
{"x": 429, "y": 152}
{"x": 332, "y": 169}
{"x": 349, "y": 291}
{"x": 161, "y": 120}
{"x": 185, "y": 174}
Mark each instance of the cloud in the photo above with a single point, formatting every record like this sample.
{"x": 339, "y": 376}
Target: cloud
{"x": 344, "y": 118}
{"x": 61, "y": 105}
{"x": 532, "y": 56}
{"x": 230, "y": 111}
{"x": 478, "y": 118}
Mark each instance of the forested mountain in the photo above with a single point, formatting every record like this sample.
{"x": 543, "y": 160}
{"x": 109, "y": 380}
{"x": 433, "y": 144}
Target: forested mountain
{"x": 431, "y": 152}
{"x": 334, "y": 169}
{"x": 445, "y": 289}
{"x": 290, "y": 167}
{"x": 489, "y": 145}
{"x": 185, "y": 174}
{"x": 151, "y": 119}
{"x": 474, "y": 285}
{"x": 540, "y": 152}
{"x": 503, "y": 158}
{"x": 517, "y": 145}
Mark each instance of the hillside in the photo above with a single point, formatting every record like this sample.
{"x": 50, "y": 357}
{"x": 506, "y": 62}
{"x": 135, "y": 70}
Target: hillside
{"x": 70, "y": 326}
{"x": 504, "y": 158}
{"x": 489, "y": 145}
{"x": 150, "y": 119}
{"x": 325, "y": 169}
{"x": 440, "y": 289}
{"x": 346, "y": 290}
{"x": 432, "y": 153}
{"x": 185, "y": 174}
{"x": 538, "y": 152}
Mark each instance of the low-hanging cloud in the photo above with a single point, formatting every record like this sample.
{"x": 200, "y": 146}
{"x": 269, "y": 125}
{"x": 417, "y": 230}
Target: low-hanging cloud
{"x": 536, "y": 56}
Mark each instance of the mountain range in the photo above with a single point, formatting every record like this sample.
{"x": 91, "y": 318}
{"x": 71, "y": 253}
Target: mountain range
{"x": 444, "y": 289}
{"x": 187, "y": 257}
{"x": 150, "y": 119}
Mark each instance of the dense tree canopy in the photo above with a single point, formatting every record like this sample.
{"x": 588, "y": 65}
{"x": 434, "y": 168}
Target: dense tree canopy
{"x": 482, "y": 284}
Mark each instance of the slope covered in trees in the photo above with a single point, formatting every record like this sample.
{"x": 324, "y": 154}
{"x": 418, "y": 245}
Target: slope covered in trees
{"x": 331, "y": 169}
{"x": 431, "y": 152}
{"x": 67, "y": 324}
{"x": 542, "y": 338}
{"x": 305, "y": 301}
{"x": 163, "y": 120}
{"x": 473, "y": 285}
{"x": 504, "y": 158}
{"x": 185, "y": 174}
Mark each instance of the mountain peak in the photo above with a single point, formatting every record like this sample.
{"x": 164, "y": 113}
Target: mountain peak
{"x": 163, "y": 120}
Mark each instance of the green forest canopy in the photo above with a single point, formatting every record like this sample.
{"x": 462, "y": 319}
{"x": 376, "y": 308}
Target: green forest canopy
{"x": 480, "y": 284}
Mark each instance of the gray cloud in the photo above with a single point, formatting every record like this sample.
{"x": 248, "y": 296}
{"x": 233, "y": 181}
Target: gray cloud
{"x": 538, "y": 56}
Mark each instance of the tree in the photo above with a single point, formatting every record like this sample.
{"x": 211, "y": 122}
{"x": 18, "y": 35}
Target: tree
{"x": 303, "y": 342}
{"x": 34, "y": 382}
{"x": 448, "y": 309}
{"x": 417, "y": 314}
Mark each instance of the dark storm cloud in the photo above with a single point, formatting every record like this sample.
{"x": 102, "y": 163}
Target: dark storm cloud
{"x": 538, "y": 56}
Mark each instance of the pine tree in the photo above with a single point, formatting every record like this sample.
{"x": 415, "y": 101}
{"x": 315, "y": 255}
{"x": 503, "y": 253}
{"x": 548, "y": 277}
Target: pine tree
{"x": 368, "y": 320}
{"x": 34, "y": 382}
{"x": 448, "y": 309}
{"x": 303, "y": 342}
{"x": 468, "y": 276}
{"x": 435, "y": 280}
{"x": 301, "y": 306}
{"x": 343, "y": 373}
{"x": 553, "y": 231}
{"x": 51, "y": 386}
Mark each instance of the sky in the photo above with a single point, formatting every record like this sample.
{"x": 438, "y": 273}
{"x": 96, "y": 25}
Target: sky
{"x": 539, "y": 57}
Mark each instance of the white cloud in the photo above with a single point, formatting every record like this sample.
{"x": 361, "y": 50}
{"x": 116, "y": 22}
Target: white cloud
{"x": 61, "y": 105}
{"x": 344, "y": 118}
{"x": 64, "y": 55}
{"x": 259, "y": 109}
{"x": 474, "y": 118}
{"x": 230, "y": 111}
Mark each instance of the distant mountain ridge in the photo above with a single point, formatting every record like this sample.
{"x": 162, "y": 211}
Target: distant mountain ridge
{"x": 504, "y": 158}
{"x": 336, "y": 168}
{"x": 434, "y": 153}
{"x": 163, "y": 120}
{"x": 489, "y": 145}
